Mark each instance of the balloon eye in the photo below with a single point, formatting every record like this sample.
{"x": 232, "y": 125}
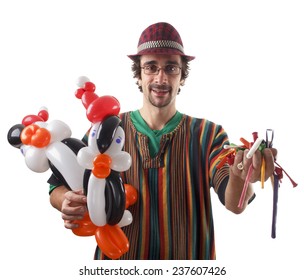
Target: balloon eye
{"x": 118, "y": 140}
{"x": 93, "y": 133}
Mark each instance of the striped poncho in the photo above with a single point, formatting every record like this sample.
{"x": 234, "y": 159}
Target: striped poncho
{"x": 172, "y": 218}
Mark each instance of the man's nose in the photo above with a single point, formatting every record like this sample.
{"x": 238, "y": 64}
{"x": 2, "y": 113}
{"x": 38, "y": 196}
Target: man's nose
{"x": 161, "y": 77}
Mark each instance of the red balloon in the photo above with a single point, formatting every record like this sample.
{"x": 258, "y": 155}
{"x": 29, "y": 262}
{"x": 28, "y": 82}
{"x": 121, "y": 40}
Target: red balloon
{"x": 88, "y": 97}
{"x": 30, "y": 119}
{"x": 79, "y": 92}
{"x": 102, "y": 107}
{"x": 89, "y": 86}
{"x": 44, "y": 115}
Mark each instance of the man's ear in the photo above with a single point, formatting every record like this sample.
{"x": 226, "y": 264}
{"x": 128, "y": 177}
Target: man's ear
{"x": 182, "y": 82}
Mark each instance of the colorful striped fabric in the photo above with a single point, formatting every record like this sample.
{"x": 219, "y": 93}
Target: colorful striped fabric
{"x": 172, "y": 218}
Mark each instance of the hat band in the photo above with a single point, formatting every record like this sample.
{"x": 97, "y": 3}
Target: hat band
{"x": 160, "y": 44}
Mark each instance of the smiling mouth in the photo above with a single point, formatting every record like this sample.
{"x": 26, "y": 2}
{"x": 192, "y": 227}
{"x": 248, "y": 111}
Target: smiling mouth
{"x": 160, "y": 90}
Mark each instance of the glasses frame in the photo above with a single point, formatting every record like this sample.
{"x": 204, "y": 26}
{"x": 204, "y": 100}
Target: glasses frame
{"x": 161, "y": 68}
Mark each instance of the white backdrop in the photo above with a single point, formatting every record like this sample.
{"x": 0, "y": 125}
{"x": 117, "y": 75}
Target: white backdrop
{"x": 247, "y": 76}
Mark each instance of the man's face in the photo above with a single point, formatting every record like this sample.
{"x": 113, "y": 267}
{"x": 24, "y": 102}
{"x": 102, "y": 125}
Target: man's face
{"x": 160, "y": 88}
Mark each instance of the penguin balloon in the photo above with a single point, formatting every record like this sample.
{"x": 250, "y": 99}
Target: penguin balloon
{"x": 94, "y": 166}
{"x": 48, "y": 145}
{"x": 103, "y": 158}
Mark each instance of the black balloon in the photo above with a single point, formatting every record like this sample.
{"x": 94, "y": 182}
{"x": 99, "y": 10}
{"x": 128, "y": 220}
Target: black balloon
{"x": 115, "y": 198}
{"x": 105, "y": 133}
{"x": 86, "y": 177}
{"x": 13, "y": 135}
{"x": 75, "y": 145}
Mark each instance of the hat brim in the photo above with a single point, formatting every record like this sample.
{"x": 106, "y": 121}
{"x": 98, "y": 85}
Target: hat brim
{"x": 161, "y": 51}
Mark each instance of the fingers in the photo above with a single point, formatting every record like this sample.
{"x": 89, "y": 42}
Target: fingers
{"x": 76, "y": 197}
{"x": 242, "y": 163}
{"x": 73, "y": 208}
{"x": 268, "y": 167}
{"x": 274, "y": 152}
{"x": 257, "y": 165}
{"x": 238, "y": 165}
{"x": 73, "y": 213}
{"x": 70, "y": 225}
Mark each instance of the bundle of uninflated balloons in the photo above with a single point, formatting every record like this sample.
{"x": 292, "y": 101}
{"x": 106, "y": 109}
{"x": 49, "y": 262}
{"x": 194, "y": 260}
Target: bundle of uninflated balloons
{"x": 95, "y": 167}
{"x": 228, "y": 154}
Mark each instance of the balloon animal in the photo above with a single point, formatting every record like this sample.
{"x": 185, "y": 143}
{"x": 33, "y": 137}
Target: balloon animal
{"x": 48, "y": 145}
{"x": 103, "y": 158}
{"x": 95, "y": 168}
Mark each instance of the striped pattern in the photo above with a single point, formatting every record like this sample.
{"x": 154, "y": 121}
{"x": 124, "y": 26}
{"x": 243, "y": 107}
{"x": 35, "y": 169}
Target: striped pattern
{"x": 160, "y": 44}
{"x": 172, "y": 218}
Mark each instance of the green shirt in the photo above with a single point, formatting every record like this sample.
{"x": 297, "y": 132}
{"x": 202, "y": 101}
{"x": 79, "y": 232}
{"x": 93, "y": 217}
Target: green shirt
{"x": 154, "y": 135}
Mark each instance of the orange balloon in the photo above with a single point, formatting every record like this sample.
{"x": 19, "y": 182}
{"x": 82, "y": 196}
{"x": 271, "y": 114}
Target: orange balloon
{"x": 86, "y": 227}
{"x": 27, "y": 133}
{"x": 102, "y": 164}
{"x": 41, "y": 138}
{"x": 131, "y": 195}
{"x": 36, "y": 136}
{"x": 112, "y": 241}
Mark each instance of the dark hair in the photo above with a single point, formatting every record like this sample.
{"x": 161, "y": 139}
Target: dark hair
{"x": 137, "y": 70}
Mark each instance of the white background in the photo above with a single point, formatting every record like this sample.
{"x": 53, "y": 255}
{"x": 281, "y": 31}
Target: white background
{"x": 247, "y": 76}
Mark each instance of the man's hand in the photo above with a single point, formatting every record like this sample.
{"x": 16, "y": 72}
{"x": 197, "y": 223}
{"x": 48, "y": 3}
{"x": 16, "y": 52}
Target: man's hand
{"x": 73, "y": 208}
{"x": 242, "y": 163}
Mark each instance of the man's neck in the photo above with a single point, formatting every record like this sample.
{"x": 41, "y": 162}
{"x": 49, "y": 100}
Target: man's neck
{"x": 156, "y": 118}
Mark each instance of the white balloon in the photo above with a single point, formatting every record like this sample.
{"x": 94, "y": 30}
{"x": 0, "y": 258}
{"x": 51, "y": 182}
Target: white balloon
{"x": 41, "y": 124}
{"x": 92, "y": 139}
{"x": 96, "y": 200}
{"x": 36, "y": 159}
{"x": 59, "y": 130}
{"x": 65, "y": 161}
{"x": 85, "y": 157}
{"x": 117, "y": 143}
{"x": 44, "y": 108}
{"x": 81, "y": 81}
{"x": 126, "y": 219}
{"x": 24, "y": 149}
{"x": 121, "y": 161}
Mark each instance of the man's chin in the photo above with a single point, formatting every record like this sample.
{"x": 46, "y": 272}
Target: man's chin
{"x": 159, "y": 104}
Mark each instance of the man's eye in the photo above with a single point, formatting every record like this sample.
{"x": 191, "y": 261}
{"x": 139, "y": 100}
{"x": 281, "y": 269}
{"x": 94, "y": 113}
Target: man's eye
{"x": 151, "y": 68}
{"x": 170, "y": 68}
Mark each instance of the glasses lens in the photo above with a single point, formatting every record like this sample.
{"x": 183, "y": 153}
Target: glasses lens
{"x": 150, "y": 69}
{"x": 172, "y": 69}
{"x": 169, "y": 69}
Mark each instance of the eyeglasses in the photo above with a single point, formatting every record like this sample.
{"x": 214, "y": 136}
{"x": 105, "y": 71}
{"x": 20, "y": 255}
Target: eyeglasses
{"x": 152, "y": 69}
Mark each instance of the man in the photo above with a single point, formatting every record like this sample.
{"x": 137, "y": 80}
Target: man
{"x": 174, "y": 158}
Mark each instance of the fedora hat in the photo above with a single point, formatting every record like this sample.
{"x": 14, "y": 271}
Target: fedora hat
{"x": 160, "y": 38}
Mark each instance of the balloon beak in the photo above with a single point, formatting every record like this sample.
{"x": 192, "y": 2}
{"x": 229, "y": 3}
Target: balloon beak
{"x": 35, "y": 136}
{"x": 102, "y": 164}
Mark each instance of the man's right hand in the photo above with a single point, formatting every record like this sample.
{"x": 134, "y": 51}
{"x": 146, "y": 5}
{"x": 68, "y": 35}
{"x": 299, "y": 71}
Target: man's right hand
{"x": 73, "y": 208}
